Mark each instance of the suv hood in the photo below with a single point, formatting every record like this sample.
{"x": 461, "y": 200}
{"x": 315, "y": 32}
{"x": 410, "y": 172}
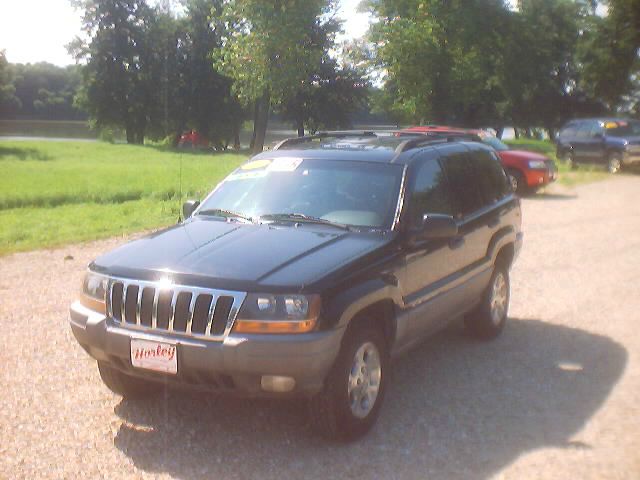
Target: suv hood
{"x": 227, "y": 255}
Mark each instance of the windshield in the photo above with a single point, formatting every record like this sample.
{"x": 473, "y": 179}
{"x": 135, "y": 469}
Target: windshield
{"x": 623, "y": 128}
{"x": 495, "y": 143}
{"x": 361, "y": 194}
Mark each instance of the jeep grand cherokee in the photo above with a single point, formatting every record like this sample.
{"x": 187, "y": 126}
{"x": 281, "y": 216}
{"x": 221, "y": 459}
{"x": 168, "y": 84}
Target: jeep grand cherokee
{"x": 305, "y": 270}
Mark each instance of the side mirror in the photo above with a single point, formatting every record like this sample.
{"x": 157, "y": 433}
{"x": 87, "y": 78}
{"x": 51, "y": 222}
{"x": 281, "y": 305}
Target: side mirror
{"x": 189, "y": 207}
{"x": 435, "y": 225}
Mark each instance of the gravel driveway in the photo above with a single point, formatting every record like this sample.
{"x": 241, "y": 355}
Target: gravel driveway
{"x": 557, "y": 396}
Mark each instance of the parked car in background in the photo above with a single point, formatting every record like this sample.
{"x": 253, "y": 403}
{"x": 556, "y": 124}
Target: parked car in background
{"x": 528, "y": 171}
{"x": 193, "y": 139}
{"x": 614, "y": 142}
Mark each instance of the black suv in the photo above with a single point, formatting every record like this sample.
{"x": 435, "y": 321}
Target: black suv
{"x": 611, "y": 141}
{"x": 306, "y": 270}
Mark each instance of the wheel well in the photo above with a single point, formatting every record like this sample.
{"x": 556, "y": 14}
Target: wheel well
{"x": 382, "y": 315}
{"x": 505, "y": 255}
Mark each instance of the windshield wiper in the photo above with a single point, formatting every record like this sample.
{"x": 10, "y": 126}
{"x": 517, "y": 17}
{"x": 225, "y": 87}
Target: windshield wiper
{"x": 219, "y": 212}
{"x": 302, "y": 218}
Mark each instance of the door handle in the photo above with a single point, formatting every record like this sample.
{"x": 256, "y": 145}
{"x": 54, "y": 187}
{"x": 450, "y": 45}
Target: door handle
{"x": 456, "y": 242}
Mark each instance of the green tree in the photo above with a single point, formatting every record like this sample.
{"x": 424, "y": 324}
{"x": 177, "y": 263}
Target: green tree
{"x": 269, "y": 51}
{"x": 47, "y": 91}
{"x": 331, "y": 94}
{"x": 610, "y": 52}
{"x": 118, "y": 89}
{"x": 8, "y": 100}
{"x": 212, "y": 108}
{"x": 442, "y": 58}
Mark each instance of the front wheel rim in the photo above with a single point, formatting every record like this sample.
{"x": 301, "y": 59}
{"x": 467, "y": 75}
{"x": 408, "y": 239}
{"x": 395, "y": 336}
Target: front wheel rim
{"x": 514, "y": 182}
{"x": 499, "y": 298}
{"x": 614, "y": 165}
{"x": 365, "y": 379}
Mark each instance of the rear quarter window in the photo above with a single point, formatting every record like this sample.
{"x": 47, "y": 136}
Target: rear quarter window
{"x": 492, "y": 179}
{"x": 462, "y": 176}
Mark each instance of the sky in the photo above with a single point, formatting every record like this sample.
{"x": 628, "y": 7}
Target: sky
{"x": 38, "y": 30}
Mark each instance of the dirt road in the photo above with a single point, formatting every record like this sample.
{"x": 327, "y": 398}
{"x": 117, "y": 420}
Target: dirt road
{"x": 556, "y": 397}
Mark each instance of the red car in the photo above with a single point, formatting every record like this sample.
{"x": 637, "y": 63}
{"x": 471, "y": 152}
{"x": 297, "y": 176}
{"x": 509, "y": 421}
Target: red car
{"x": 192, "y": 139}
{"x": 528, "y": 171}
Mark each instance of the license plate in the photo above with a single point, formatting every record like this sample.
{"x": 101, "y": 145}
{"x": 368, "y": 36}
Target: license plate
{"x": 157, "y": 356}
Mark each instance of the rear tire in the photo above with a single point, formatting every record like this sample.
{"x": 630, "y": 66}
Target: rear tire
{"x": 349, "y": 404}
{"x": 125, "y": 385}
{"x": 488, "y": 320}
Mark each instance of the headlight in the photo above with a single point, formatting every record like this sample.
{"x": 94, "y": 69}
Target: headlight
{"x": 265, "y": 313}
{"x": 94, "y": 292}
{"x": 537, "y": 164}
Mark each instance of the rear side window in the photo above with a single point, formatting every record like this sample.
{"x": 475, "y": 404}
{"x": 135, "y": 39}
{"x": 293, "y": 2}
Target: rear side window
{"x": 462, "y": 176}
{"x": 430, "y": 193}
{"x": 491, "y": 178}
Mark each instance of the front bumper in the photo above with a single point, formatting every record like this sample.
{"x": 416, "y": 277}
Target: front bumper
{"x": 631, "y": 156}
{"x": 235, "y": 364}
{"x": 541, "y": 177}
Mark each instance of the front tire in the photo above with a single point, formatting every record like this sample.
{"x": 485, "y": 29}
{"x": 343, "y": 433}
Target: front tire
{"x": 349, "y": 404}
{"x": 488, "y": 320}
{"x": 614, "y": 163}
{"x": 517, "y": 181}
{"x": 125, "y": 385}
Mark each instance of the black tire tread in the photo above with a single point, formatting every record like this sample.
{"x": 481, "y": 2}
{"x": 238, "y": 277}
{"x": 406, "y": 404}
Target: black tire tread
{"x": 324, "y": 411}
{"x": 478, "y": 323}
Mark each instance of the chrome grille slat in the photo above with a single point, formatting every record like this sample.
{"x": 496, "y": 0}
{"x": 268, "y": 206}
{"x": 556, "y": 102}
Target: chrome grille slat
{"x": 172, "y": 311}
{"x": 192, "y": 306}
{"x": 154, "y": 311}
{"x": 212, "y": 308}
{"x": 125, "y": 287}
{"x": 139, "y": 305}
{"x": 179, "y": 322}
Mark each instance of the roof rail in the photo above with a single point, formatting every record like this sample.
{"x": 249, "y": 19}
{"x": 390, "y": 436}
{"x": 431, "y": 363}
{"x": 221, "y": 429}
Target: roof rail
{"x": 422, "y": 139}
{"x": 322, "y": 135}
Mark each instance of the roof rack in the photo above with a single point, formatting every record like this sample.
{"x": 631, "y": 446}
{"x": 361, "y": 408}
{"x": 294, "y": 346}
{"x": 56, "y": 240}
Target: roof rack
{"x": 322, "y": 135}
{"x": 422, "y": 139}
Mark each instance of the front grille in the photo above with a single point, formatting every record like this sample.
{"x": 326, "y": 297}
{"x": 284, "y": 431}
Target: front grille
{"x": 179, "y": 309}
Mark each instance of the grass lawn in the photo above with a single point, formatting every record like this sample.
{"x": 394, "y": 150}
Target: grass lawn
{"x": 568, "y": 177}
{"x": 52, "y": 193}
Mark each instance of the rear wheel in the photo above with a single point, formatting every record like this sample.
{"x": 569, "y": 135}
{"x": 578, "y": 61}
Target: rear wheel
{"x": 350, "y": 402}
{"x": 614, "y": 162}
{"x": 125, "y": 385}
{"x": 488, "y": 320}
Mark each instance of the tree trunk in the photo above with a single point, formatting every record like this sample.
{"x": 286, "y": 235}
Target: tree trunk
{"x": 500, "y": 132}
{"x": 551, "y": 132}
{"x": 516, "y": 133}
{"x": 300, "y": 127}
{"x": 236, "y": 137}
{"x": 256, "y": 109}
{"x": 260, "y": 126}
{"x": 131, "y": 138}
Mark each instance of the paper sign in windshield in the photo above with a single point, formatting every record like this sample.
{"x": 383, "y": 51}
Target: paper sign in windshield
{"x": 284, "y": 164}
{"x": 255, "y": 164}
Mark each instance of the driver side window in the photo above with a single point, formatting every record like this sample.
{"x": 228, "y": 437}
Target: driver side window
{"x": 430, "y": 193}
